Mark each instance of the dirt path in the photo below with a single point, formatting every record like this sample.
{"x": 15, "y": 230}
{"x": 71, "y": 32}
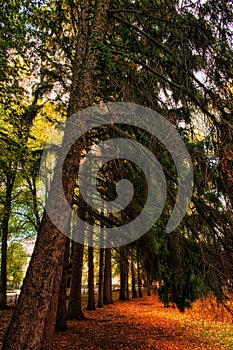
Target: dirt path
{"x": 135, "y": 324}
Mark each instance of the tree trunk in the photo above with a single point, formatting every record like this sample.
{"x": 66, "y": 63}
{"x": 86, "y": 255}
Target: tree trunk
{"x": 33, "y": 321}
{"x": 33, "y": 188}
{"x": 61, "y": 324}
{"x": 91, "y": 292}
{"x": 127, "y": 282}
{"x": 75, "y": 301}
{"x": 101, "y": 279}
{"x": 108, "y": 277}
{"x": 139, "y": 277}
{"x": 134, "y": 292}
{"x": 37, "y": 303}
{"x": 148, "y": 286}
{"x": 122, "y": 279}
{"x": 5, "y": 224}
{"x": 124, "y": 288}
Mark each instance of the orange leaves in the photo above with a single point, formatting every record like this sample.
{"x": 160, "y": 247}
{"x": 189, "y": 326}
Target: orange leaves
{"x": 136, "y": 324}
{"x": 144, "y": 324}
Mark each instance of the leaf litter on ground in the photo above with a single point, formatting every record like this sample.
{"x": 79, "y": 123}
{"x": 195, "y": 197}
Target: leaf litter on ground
{"x": 141, "y": 324}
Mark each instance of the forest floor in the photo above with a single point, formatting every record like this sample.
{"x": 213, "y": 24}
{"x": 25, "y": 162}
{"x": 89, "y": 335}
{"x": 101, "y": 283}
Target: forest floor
{"x": 144, "y": 324}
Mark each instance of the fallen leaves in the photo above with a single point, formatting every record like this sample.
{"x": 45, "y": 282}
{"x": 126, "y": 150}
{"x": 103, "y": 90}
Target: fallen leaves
{"x": 135, "y": 324}
{"x": 139, "y": 324}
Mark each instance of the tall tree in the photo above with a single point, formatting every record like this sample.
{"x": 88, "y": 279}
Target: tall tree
{"x": 108, "y": 277}
{"x": 134, "y": 292}
{"x": 157, "y": 51}
{"x": 91, "y": 290}
{"x": 34, "y": 327}
{"x": 124, "y": 274}
{"x": 101, "y": 279}
{"x": 75, "y": 302}
{"x": 61, "y": 324}
{"x": 4, "y": 236}
{"x": 139, "y": 276}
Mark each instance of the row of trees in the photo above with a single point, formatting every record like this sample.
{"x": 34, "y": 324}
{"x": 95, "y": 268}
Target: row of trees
{"x": 174, "y": 57}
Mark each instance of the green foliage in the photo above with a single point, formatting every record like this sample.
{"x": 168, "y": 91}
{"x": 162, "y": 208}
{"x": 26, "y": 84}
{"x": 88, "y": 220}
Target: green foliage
{"x": 175, "y": 57}
{"x": 183, "y": 279}
{"x": 16, "y": 262}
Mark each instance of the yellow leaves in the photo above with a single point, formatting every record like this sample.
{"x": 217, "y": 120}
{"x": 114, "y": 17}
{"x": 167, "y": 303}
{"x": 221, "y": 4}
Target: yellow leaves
{"x": 229, "y": 87}
{"x": 191, "y": 208}
{"x": 43, "y": 126}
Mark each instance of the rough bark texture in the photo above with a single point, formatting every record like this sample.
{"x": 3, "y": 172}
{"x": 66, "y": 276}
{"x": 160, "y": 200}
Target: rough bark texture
{"x": 127, "y": 282}
{"x": 4, "y": 234}
{"x": 37, "y": 303}
{"x": 139, "y": 276}
{"x": 108, "y": 277}
{"x": 33, "y": 321}
{"x": 91, "y": 31}
{"x": 75, "y": 306}
{"x": 61, "y": 324}
{"x": 91, "y": 293}
{"x": 134, "y": 292}
{"x": 124, "y": 291}
{"x": 75, "y": 301}
{"x": 101, "y": 279}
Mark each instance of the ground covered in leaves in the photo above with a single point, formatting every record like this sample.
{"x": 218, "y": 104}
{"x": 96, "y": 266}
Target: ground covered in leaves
{"x": 144, "y": 324}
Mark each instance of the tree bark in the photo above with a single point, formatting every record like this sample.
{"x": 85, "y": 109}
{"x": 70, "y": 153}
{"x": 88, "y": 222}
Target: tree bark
{"x": 108, "y": 277}
{"x": 148, "y": 285}
{"x": 61, "y": 324}
{"x": 91, "y": 292}
{"x": 75, "y": 301}
{"x": 139, "y": 277}
{"x": 124, "y": 290}
{"x": 101, "y": 279}
{"x": 5, "y": 225}
{"x": 37, "y": 303}
{"x": 34, "y": 318}
{"x": 134, "y": 292}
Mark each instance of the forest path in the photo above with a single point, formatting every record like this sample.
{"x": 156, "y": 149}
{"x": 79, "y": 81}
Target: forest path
{"x": 138, "y": 324}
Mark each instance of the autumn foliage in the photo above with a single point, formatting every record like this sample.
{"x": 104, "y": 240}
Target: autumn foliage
{"x": 146, "y": 324}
